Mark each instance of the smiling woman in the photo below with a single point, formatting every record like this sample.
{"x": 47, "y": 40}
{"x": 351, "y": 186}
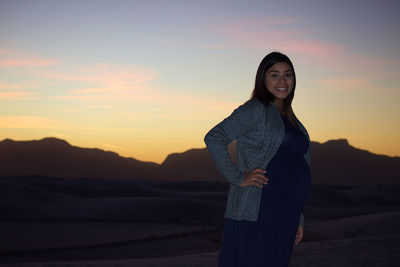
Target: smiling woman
{"x": 279, "y": 80}
{"x": 270, "y": 184}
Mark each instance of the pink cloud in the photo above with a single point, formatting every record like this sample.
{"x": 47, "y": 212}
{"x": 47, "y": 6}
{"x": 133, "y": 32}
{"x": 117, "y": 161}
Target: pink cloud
{"x": 251, "y": 24}
{"x": 146, "y": 96}
{"x": 5, "y": 92}
{"x": 87, "y": 97}
{"x": 346, "y": 84}
{"x": 127, "y": 82}
{"x": 312, "y": 47}
{"x": 27, "y": 62}
{"x": 40, "y": 122}
{"x": 106, "y": 81}
{"x": 15, "y": 95}
{"x": 122, "y": 74}
{"x": 13, "y": 58}
{"x": 96, "y": 82}
{"x": 100, "y": 106}
{"x": 283, "y": 34}
{"x": 6, "y": 86}
{"x": 249, "y": 28}
{"x": 6, "y": 51}
{"x": 26, "y": 122}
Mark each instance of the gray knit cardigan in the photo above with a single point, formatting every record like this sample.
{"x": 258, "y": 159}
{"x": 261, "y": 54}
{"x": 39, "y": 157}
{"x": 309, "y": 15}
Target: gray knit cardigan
{"x": 258, "y": 130}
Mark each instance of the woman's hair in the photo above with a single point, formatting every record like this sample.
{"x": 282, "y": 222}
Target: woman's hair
{"x": 261, "y": 92}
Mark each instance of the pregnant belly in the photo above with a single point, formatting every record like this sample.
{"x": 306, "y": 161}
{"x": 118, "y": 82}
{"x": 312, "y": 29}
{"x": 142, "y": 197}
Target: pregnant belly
{"x": 290, "y": 171}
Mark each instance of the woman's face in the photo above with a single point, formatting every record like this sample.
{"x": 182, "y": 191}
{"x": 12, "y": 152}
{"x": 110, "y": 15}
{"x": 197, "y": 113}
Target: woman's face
{"x": 279, "y": 80}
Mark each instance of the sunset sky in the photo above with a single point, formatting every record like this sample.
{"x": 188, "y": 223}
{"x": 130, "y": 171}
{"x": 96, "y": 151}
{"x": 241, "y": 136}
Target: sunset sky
{"x": 149, "y": 78}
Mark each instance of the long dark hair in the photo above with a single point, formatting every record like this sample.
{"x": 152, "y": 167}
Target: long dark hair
{"x": 261, "y": 92}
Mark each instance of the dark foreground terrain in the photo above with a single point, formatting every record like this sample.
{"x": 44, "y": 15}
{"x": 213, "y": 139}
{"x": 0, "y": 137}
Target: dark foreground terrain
{"x": 46, "y": 221}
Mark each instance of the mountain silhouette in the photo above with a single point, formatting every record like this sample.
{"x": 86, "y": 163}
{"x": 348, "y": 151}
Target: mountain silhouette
{"x": 194, "y": 163}
{"x": 332, "y": 162}
{"x": 57, "y": 158}
{"x": 337, "y": 162}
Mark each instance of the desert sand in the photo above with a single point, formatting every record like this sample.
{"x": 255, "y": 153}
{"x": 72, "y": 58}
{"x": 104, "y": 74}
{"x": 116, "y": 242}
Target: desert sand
{"x": 105, "y": 222}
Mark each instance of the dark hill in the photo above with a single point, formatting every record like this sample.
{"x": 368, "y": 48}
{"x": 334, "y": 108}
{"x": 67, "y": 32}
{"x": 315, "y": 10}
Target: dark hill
{"x": 333, "y": 162}
{"x": 194, "y": 163}
{"x": 337, "y": 162}
{"x": 57, "y": 158}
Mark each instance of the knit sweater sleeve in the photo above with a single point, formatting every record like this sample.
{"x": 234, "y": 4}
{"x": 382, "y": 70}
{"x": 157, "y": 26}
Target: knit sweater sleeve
{"x": 220, "y": 136}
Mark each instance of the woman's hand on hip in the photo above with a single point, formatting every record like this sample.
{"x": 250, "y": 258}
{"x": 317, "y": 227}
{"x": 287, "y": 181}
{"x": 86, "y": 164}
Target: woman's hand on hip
{"x": 255, "y": 177}
{"x": 299, "y": 234}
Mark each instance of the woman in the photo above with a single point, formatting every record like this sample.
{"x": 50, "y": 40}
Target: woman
{"x": 269, "y": 185}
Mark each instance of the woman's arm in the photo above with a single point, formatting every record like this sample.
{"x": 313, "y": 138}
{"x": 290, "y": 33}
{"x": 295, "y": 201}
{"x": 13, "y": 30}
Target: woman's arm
{"x": 217, "y": 139}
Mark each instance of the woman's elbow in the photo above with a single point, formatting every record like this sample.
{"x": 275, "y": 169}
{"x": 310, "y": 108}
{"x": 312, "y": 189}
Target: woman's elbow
{"x": 207, "y": 138}
{"x": 216, "y": 137}
{"x": 211, "y": 136}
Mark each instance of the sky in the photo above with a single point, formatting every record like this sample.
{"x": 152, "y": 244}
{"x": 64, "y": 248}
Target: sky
{"x": 149, "y": 78}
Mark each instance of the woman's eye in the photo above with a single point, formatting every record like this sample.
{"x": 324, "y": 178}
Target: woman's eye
{"x": 288, "y": 75}
{"x": 274, "y": 75}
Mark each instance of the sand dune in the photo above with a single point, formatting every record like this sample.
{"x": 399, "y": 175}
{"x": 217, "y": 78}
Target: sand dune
{"x": 379, "y": 251}
{"x": 376, "y": 195}
{"x": 385, "y": 223}
{"x": 196, "y": 260}
{"x": 330, "y": 196}
{"x": 39, "y": 235}
{"x": 106, "y": 222}
{"x": 340, "y": 196}
{"x": 106, "y": 200}
{"x": 360, "y": 252}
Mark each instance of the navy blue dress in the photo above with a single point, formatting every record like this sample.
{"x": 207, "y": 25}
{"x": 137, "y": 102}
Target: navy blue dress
{"x": 269, "y": 241}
